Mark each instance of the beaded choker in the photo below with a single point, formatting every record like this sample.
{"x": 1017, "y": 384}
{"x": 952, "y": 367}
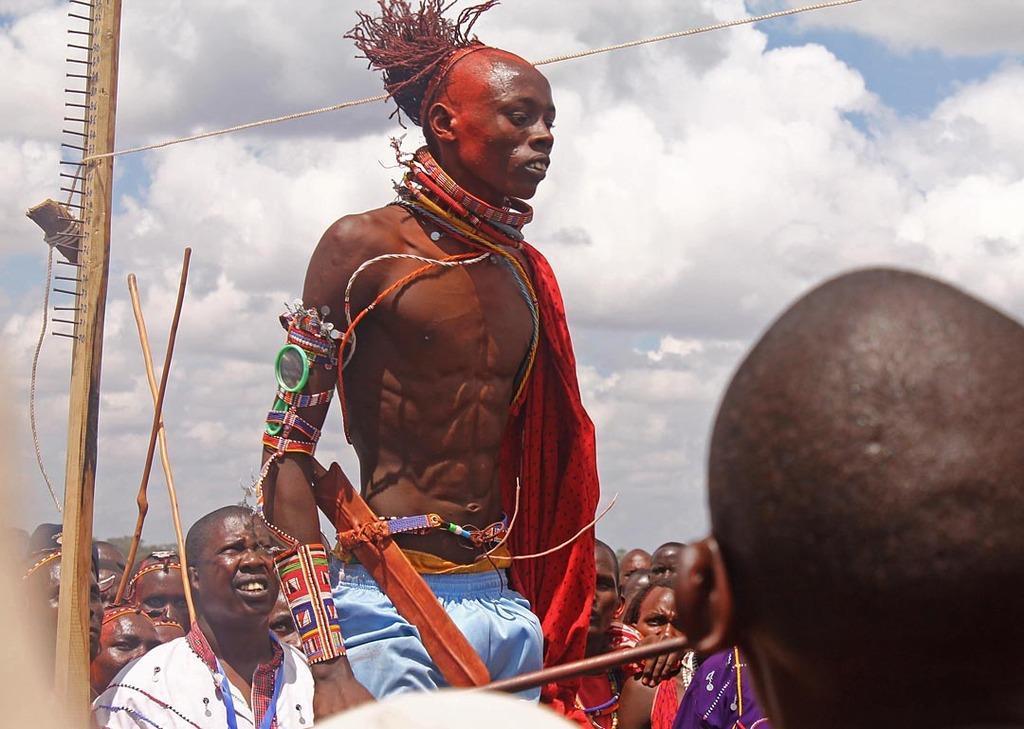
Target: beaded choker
{"x": 425, "y": 169}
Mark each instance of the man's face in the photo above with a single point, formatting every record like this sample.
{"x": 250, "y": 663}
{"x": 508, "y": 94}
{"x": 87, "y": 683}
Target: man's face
{"x": 606, "y": 594}
{"x": 167, "y": 630}
{"x": 634, "y": 584}
{"x": 111, "y": 567}
{"x": 160, "y": 594}
{"x": 122, "y": 640}
{"x": 665, "y": 562}
{"x": 631, "y": 562}
{"x": 282, "y": 623}
{"x": 501, "y": 121}
{"x": 44, "y": 585}
{"x": 234, "y": 578}
{"x": 657, "y": 611}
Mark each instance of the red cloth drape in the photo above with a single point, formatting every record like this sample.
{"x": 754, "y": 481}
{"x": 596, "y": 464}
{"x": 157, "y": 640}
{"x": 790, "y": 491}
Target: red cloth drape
{"x": 666, "y": 704}
{"x": 550, "y": 447}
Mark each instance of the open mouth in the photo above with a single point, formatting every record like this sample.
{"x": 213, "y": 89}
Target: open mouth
{"x": 538, "y": 167}
{"x": 252, "y": 587}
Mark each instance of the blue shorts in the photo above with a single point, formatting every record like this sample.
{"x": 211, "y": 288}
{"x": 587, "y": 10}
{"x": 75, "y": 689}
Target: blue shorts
{"x": 385, "y": 651}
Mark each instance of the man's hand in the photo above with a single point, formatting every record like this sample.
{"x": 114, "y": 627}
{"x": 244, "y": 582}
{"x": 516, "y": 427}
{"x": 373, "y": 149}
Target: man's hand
{"x": 661, "y": 667}
{"x": 335, "y": 689}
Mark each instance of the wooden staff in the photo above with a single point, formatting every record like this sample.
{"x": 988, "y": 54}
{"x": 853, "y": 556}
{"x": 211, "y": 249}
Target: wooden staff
{"x": 154, "y": 429}
{"x": 454, "y": 657}
{"x": 585, "y": 666}
{"x": 147, "y": 356}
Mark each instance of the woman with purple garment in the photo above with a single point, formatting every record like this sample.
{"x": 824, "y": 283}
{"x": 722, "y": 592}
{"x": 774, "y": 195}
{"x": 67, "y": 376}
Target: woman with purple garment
{"x": 721, "y": 696}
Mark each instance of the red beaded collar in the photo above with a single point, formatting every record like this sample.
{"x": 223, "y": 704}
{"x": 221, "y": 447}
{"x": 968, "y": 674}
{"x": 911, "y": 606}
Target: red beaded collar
{"x": 515, "y": 214}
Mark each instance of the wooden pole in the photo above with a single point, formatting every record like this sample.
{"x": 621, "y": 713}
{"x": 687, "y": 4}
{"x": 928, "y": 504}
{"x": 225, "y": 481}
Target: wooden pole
{"x": 587, "y": 665}
{"x": 165, "y": 461}
{"x": 71, "y": 665}
{"x": 141, "y": 499}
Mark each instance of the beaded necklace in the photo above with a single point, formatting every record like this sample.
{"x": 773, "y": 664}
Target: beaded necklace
{"x": 427, "y": 191}
{"x": 606, "y": 708}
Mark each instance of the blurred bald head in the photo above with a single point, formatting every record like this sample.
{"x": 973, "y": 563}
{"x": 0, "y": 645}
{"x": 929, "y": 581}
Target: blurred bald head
{"x": 866, "y": 474}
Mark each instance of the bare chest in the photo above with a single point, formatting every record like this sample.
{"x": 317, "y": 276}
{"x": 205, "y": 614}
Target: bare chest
{"x": 470, "y": 320}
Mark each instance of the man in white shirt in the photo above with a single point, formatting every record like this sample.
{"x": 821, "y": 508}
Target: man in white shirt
{"x": 229, "y": 670}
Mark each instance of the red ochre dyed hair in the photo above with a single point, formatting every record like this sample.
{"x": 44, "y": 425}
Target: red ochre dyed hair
{"x": 410, "y": 45}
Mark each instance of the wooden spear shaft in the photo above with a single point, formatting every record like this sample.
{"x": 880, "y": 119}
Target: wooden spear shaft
{"x": 165, "y": 461}
{"x": 587, "y": 665}
{"x": 141, "y": 499}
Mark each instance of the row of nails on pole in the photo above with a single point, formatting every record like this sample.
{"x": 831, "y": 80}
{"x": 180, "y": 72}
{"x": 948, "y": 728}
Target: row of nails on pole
{"x": 78, "y": 113}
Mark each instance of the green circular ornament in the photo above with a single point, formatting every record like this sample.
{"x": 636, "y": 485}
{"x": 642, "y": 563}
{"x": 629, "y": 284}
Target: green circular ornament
{"x": 291, "y": 368}
{"x": 280, "y": 406}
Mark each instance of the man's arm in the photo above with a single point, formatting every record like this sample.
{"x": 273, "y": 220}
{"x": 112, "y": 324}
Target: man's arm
{"x": 289, "y": 502}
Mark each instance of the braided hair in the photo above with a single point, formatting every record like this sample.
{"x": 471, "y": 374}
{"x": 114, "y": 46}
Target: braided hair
{"x": 409, "y": 46}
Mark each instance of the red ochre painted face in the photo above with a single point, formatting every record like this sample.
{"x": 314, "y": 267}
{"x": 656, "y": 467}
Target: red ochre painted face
{"x": 160, "y": 594}
{"x": 492, "y": 125}
{"x": 122, "y": 640}
{"x": 657, "y": 612}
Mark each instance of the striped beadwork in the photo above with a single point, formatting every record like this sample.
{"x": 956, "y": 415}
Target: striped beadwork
{"x": 305, "y": 578}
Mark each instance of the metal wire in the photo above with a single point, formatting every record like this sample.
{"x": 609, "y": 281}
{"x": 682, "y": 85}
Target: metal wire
{"x": 543, "y": 62}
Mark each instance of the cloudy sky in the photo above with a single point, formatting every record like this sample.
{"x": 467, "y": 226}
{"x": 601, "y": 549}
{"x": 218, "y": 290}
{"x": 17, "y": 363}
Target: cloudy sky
{"x": 697, "y": 187}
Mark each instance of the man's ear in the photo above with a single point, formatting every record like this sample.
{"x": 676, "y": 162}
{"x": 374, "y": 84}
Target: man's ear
{"x": 193, "y": 578}
{"x": 440, "y": 121}
{"x": 704, "y": 601}
{"x": 621, "y": 609}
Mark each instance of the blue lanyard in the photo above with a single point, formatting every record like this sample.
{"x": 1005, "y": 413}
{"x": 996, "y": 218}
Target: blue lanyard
{"x": 229, "y": 701}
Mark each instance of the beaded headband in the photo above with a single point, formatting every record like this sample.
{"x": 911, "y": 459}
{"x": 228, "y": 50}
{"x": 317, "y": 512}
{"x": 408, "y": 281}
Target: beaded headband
{"x": 443, "y": 70}
{"x": 38, "y": 565}
{"x": 164, "y": 622}
{"x": 163, "y": 566}
{"x": 115, "y": 612}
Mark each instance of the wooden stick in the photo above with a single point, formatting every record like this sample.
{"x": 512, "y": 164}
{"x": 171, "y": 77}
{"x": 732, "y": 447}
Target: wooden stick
{"x": 587, "y": 665}
{"x": 147, "y": 356}
{"x": 154, "y": 428}
{"x": 454, "y": 657}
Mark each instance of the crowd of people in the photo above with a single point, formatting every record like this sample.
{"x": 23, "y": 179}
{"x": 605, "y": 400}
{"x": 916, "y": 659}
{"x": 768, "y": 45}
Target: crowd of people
{"x": 835, "y": 537}
{"x": 152, "y": 663}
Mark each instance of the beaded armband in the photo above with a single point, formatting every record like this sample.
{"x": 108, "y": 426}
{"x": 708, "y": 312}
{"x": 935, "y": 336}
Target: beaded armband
{"x": 311, "y": 343}
{"x": 305, "y": 579}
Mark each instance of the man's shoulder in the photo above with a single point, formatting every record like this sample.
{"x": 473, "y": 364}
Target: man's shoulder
{"x": 295, "y": 663}
{"x": 373, "y": 230}
{"x": 152, "y": 664}
{"x": 163, "y": 680}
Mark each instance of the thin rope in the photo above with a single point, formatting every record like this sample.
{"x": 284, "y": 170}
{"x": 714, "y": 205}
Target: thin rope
{"x": 515, "y": 558}
{"x": 32, "y": 379}
{"x": 347, "y": 357}
{"x": 592, "y": 523}
{"x": 79, "y": 178}
{"x": 694, "y": 31}
{"x": 543, "y": 62}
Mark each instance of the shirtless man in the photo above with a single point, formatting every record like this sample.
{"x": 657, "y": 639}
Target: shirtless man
{"x": 461, "y": 382}
{"x": 865, "y": 476}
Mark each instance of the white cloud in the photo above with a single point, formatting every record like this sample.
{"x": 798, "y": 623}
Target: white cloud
{"x": 696, "y": 189}
{"x": 978, "y": 27}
